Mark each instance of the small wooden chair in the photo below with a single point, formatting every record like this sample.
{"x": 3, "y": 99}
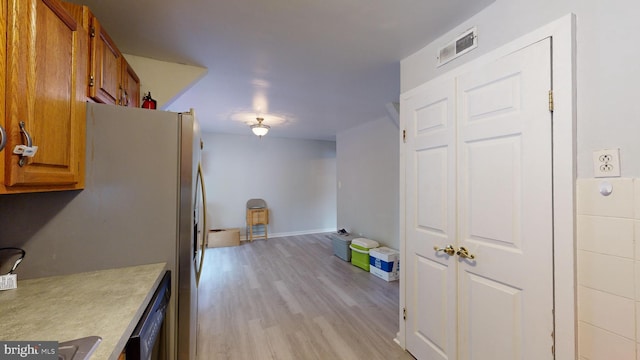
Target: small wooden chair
{"x": 257, "y": 214}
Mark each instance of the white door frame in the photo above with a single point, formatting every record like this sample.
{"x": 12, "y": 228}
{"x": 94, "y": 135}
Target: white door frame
{"x": 562, "y": 32}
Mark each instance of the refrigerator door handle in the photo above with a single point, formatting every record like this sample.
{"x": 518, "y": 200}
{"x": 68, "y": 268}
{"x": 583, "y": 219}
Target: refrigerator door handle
{"x": 204, "y": 224}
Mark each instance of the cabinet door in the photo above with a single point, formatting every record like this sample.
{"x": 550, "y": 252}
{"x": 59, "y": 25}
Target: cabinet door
{"x": 3, "y": 109}
{"x": 130, "y": 95}
{"x": 42, "y": 65}
{"x": 106, "y": 60}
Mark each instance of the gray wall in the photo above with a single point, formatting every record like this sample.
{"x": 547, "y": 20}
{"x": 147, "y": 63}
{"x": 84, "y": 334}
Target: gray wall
{"x": 295, "y": 177}
{"x": 607, "y": 67}
{"x": 368, "y": 181}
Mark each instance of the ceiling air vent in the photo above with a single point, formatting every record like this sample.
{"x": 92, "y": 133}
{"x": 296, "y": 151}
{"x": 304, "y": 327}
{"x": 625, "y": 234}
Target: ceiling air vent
{"x": 462, "y": 44}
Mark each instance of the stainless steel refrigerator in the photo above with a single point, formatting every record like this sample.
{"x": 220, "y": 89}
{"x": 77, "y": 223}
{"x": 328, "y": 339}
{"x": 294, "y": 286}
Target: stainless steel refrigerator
{"x": 144, "y": 199}
{"x": 142, "y": 203}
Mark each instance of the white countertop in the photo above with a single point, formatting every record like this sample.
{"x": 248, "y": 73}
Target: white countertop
{"x": 106, "y": 303}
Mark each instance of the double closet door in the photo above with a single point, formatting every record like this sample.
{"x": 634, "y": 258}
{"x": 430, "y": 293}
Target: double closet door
{"x": 478, "y": 216}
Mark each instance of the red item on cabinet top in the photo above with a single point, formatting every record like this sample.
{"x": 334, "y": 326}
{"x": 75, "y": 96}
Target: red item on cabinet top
{"x": 148, "y": 102}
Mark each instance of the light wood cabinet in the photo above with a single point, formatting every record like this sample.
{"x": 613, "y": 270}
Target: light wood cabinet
{"x": 110, "y": 79}
{"x": 130, "y": 93}
{"x": 106, "y": 66}
{"x": 42, "y": 49}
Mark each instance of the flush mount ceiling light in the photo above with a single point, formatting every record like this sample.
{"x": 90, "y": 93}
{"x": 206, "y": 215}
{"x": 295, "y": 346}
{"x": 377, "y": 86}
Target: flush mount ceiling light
{"x": 260, "y": 129}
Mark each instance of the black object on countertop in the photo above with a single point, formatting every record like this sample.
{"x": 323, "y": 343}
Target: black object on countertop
{"x": 10, "y": 258}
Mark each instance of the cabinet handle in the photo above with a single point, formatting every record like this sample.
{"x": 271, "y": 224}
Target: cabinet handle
{"x": 3, "y": 138}
{"x": 27, "y": 137}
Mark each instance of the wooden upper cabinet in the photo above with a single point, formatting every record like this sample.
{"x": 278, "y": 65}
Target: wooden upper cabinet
{"x": 44, "y": 59}
{"x": 106, "y": 66}
{"x": 110, "y": 79}
{"x": 130, "y": 94}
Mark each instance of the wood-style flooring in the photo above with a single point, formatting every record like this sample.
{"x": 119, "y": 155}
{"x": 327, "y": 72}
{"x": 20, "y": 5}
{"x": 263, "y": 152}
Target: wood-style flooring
{"x": 291, "y": 298}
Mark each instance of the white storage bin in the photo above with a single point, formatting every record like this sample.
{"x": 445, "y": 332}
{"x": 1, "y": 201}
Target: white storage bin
{"x": 385, "y": 263}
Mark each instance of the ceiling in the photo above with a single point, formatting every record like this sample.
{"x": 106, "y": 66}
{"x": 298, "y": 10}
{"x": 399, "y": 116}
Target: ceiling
{"x": 311, "y": 68}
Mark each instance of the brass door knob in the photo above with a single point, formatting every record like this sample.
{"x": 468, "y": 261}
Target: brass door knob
{"x": 464, "y": 253}
{"x": 449, "y": 250}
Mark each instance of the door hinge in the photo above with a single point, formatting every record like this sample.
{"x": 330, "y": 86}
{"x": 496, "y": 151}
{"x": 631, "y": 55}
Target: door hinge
{"x": 551, "y": 100}
{"x": 553, "y": 335}
{"x": 92, "y": 33}
{"x": 404, "y": 313}
{"x": 404, "y": 136}
{"x": 91, "y": 81}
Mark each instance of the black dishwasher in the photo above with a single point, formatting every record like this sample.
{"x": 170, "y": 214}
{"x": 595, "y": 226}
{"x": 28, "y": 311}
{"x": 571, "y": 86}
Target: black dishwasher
{"x": 145, "y": 341}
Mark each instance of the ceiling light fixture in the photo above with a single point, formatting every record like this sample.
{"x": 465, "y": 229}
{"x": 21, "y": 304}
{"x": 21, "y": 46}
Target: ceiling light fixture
{"x": 260, "y": 129}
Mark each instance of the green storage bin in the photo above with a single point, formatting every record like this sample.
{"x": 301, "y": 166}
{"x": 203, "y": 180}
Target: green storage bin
{"x": 360, "y": 252}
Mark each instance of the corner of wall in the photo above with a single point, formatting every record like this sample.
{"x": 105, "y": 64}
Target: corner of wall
{"x": 166, "y": 80}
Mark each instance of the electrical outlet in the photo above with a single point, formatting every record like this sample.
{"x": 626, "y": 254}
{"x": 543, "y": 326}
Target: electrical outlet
{"x": 606, "y": 163}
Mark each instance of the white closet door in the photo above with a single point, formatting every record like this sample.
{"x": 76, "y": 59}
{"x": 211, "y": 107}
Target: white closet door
{"x": 505, "y": 208}
{"x": 430, "y": 221}
{"x": 478, "y": 176}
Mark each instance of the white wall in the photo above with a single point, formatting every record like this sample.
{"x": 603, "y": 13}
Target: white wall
{"x": 368, "y": 181}
{"x": 607, "y": 66}
{"x": 295, "y": 177}
{"x": 608, "y": 269}
{"x": 165, "y": 80}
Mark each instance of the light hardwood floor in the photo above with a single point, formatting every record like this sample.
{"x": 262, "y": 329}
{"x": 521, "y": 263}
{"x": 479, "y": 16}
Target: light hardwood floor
{"x": 291, "y": 298}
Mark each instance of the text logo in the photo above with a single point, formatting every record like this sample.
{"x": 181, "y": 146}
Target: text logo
{"x": 28, "y": 350}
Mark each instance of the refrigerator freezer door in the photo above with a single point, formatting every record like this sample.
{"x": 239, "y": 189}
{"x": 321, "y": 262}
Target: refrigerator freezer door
{"x": 200, "y": 226}
{"x": 187, "y": 245}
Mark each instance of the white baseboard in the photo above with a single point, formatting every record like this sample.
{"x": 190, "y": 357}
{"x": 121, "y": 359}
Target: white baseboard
{"x": 295, "y": 233}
